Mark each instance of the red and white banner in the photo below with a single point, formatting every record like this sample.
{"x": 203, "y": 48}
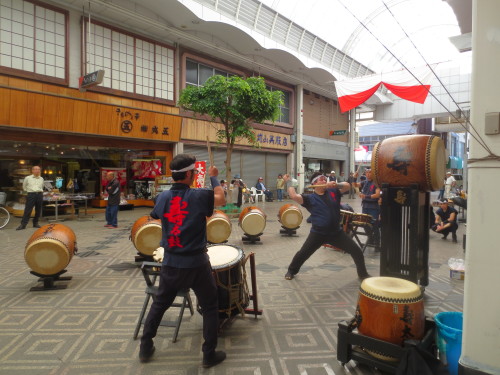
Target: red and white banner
{"x": 199, "y": 181}
{"x": 356, "y": 91}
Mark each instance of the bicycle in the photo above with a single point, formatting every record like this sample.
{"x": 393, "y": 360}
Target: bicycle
{"x": 4, "y": 217}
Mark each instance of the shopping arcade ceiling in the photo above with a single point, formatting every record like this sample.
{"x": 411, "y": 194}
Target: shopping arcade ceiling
{"x": 332, "y": 45}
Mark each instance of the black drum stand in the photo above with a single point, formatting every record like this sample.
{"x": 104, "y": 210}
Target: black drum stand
{"x": 288, "y": 232}
{"x": 251, "y": 238}
{"x": 139, "y": 258}
{"x": 405, "y": 234}
{"x": 48, "y": 281}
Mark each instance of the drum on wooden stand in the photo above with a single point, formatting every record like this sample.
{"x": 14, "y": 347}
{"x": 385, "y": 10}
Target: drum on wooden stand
{"x": 50, "y": 249}
{"x": 146, "y": 235}
{"x": 229, "y": 271}
{"x": 290, "y": 216}
{"x": 252, "y": 221}
{"x": 361, "y": 219}
{"x": 218, "y": 227}
{"x": 410, "y": 159}
{"x": 390, "y": 309}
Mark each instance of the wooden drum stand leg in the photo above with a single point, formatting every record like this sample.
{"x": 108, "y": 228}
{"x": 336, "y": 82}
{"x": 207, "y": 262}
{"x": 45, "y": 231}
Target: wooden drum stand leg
{"x": 253, "y": 296}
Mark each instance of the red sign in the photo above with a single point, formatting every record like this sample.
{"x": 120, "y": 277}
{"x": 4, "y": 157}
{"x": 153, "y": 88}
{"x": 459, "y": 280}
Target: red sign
{"x": 201, "y": 166}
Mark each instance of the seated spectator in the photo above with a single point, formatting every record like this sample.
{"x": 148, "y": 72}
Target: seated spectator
{"x": 260, "y": 186}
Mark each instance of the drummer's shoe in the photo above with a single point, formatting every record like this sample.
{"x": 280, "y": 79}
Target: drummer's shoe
{"x": 36, "y": 226}
{"x": 146, "y": 353}
{"x": 213, "y": 359}
{"x": 21, "y": 227}
{"x": 445, "y": 237}
{"x": 289, "y": 276}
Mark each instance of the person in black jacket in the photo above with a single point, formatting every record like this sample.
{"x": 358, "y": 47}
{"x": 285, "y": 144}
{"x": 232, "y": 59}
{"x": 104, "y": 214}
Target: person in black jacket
{"x": 113, "y": 190}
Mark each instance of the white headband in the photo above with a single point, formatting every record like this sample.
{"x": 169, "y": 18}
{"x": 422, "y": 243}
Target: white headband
{"x": 184, "y": 169}
{"x": 316, "y": 179}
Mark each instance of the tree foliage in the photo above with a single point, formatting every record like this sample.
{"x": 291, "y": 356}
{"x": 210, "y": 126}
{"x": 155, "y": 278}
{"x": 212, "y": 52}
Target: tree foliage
{"x": 235, "y": 102}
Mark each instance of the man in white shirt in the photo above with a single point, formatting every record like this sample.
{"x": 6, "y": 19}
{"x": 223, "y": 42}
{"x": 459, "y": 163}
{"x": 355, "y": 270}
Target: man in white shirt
{"x": 33, "y": 185}
{"x": 449, "y": 184}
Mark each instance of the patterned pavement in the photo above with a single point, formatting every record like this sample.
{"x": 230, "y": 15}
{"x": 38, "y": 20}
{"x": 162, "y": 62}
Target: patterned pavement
{"x": 88, "y": 327}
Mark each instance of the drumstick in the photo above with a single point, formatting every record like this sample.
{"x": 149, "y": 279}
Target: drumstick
{"x": 210, "y": 155}
{"x": 315, "y": 186}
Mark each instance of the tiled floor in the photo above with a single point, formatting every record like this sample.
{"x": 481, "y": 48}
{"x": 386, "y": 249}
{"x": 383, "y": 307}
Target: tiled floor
{"x": 88, "y": 327}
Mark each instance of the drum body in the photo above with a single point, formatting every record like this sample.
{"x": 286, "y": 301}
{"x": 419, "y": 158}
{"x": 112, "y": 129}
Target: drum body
{"x": 390, "y": 309}
{"x": 50, "y": 249}
{"x": 252, "y": 221}
{"x": 218, "y": 227}
{"x": 290, "y": 216}
{"x": 410, "y": 159}
{"x": 146, "y": 235}
{"x": 361, "y": 219}
{"x": 227, "y": 265}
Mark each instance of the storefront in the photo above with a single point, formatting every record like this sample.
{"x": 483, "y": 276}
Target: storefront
{"x": 323, "y": 155}
{"x": 76, "y": 141}
{"x": 268, "y": 161}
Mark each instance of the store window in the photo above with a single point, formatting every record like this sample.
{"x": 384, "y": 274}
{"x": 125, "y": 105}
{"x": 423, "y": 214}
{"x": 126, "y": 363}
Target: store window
{"x": 33, "y": 40}
{"x": 197, "y": 73}
{"x": 131, "y": 64}
{"x": 285, "y": 107}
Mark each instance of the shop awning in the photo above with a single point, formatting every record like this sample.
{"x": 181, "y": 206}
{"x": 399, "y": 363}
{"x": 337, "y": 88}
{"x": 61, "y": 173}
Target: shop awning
{"x": 454, "y": 162}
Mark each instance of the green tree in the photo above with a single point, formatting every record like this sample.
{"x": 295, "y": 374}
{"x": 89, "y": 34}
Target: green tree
{"x": 235, "y": 102}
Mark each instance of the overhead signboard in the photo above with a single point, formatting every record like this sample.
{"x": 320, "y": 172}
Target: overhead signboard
{"x": 338, "y": 132}
{"x": 91, "y": 79}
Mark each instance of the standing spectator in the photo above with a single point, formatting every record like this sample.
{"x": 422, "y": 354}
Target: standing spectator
{"x": 441, "y": 191}
{"x": 113, "y": 190}
{"x": 352, "y": 180}
{"x": 324, "y": 206}
{"x": 260, "y": 186}
{"x": 280, "y": 186}
{"x": 183, "y": 212}
{"x": 223, "y": 185}
{"x": 341, "y": 178}
{"x": 370, "y": 195}
{"x": 449, "y": 184}
{"x": 33, "y": 185}
{"x": 332, "y": 177}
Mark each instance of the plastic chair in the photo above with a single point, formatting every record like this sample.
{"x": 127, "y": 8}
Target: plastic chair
{"x": 151, "y": 271}
{"x": 257, "y": 193}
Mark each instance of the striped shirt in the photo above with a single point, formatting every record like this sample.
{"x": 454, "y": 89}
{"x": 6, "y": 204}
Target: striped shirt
{"x": 32, "y": 184}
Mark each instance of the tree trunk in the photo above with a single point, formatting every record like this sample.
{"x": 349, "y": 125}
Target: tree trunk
{"x": 229, "y": 151}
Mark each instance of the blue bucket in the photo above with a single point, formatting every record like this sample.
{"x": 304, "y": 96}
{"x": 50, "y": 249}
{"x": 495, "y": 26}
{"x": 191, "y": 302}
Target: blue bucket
{"x": 449, "y": 338}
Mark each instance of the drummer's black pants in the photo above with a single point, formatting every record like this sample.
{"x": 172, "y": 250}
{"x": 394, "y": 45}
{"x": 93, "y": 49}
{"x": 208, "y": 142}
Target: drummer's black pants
{"x": 32, "y": 200}
{"x": 202, "y": 282}
{"x": 338, "y": 239}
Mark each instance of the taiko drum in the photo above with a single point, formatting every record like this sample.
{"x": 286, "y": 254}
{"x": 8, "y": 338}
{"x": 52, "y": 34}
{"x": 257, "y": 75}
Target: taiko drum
{"x": 290, "y": 216}
{"x": 252, "y": 220}
{"x": 410, "y": 159}
{"x": 146, "y": 235}
{"x": 218, "y": 227}
{"x": 50, "y": 249}
{"x": 390, "y": 309}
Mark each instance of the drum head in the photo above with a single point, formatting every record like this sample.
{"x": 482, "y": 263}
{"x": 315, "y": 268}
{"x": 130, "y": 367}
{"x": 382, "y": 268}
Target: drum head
{"x": 147, "y": 239}
{"x": 291, "y": 218}
{"x": 253, "y": 223}
{"x": 223, "y": 256}
{"x": 47, "y": 256}
{"x": 390, "y": 288}
{"x": 218, "y": 230}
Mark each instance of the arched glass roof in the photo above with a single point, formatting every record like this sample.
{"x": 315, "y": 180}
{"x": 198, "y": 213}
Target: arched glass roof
{"x": 428, "y": 24}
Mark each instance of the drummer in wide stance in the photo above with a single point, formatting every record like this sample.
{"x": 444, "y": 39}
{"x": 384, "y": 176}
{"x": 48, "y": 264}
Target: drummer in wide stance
{"x": 183, "y": 212}
{"x": 324, "y": 206}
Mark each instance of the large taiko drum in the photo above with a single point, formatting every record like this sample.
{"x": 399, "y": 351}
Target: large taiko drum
{"x": 290, "y": 216}
{"x": 390, "y": 309}
{"x": 252, "y": 221}
{"x": 146, "y": 235}
{"x": 50, "y": 249}
{"x": 228, "y": 266}
{"x": 218, "y": 227}
{"x": 410, "y": 159}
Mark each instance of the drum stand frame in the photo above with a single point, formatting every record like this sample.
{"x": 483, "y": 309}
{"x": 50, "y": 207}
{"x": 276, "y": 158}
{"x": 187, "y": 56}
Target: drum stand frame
{"x": 288, "y": 232}
{"x": 350, "y": 345}
{"x": 252, "y": 238}
{"x": 405, "y": 234}
{"x": 48, "y": 281}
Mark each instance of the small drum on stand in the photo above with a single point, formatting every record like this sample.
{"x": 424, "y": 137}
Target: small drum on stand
{"x": 252, "y": 221}
{"x": 345, "y": 219}
{"x": 390, "y": 309}
{"x": 146, "y": 235}
{"x": 290, "y": 218}
{"x": 361, "y": 219}
{"x": 48, "y": 252}
{"x": 229, "y": 271}
{"x": 218, "y": 227}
